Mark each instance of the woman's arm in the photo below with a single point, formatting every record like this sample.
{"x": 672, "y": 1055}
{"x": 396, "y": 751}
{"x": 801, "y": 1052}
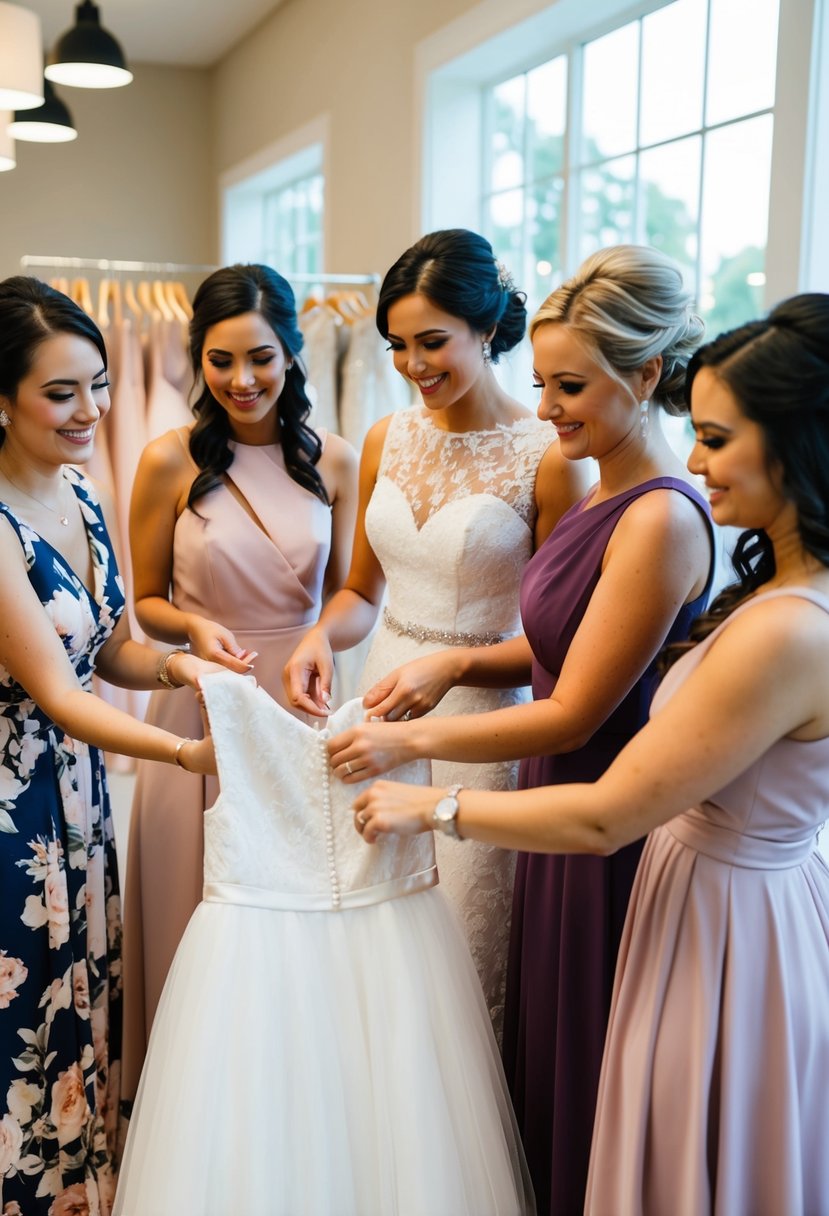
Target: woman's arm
{"x": 559, "y": 484}
{"x": 654, "y": 563}
{"x": 339, "y": 470}
{"x": 159, "y": 495}
{"x": 764, "y": 678}
{"x": 350, "y": 613}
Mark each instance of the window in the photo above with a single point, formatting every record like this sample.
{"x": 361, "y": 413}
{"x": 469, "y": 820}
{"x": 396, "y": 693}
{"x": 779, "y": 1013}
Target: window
{"x": 292, "y": 226}
{"x": 657, "y": 131}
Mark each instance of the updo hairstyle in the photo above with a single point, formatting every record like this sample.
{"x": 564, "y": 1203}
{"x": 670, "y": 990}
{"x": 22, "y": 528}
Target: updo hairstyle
{"x": 456, "y": 269}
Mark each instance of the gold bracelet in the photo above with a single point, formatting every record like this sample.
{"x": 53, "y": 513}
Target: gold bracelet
{"x": 177, "y": 753}
{"x": 162, "y": 675}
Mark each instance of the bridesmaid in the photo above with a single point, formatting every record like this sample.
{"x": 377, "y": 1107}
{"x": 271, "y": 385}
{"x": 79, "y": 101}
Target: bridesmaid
{"x": 622, "y": 571}
{"x": 240, "y": 525}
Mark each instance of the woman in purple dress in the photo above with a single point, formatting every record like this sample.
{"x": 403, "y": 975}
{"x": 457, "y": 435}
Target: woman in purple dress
{"x": 623, "y": 571}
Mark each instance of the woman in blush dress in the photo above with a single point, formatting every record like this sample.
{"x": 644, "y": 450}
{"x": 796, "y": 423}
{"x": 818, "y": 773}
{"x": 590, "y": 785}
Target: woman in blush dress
{"x": 623, "y": 571}
{"x": 456, "y": 493}
{"x": 713, "y": 1087}
{"x": 240, "y": 525}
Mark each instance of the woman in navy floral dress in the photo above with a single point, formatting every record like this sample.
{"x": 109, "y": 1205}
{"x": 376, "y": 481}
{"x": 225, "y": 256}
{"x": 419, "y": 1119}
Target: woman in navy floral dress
{"x": 61, "y": 605}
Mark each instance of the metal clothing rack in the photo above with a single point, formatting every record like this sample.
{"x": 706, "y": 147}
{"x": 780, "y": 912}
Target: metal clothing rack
{"x": 59, "y": 262}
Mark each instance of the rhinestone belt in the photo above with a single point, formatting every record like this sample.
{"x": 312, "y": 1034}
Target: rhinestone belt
{"x": 444, "y": 637}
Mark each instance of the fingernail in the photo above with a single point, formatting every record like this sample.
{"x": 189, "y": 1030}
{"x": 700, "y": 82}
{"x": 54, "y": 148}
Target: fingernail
{"x": 254, "y": 654}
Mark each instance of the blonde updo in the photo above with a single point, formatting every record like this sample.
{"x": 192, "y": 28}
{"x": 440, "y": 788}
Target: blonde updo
{"x": 628, "y": 304}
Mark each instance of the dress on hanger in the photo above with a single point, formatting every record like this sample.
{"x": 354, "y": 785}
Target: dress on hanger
{"x": 262, "y": 580}
{"x": 320, "y": 328}
{"x": 321, "y": 1046}
{"x": 451, "y": 522}
{"x": 713, "y": 1087}
{"x": 60, "y": 923}
{"x": 167, "y": 374}
{"x": 569, "y": 910}
{"x": 370, "y": 387}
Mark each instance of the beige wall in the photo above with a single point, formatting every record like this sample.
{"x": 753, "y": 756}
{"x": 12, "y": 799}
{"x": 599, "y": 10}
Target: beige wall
{"x": 353, "y": 61}
{"x": 137, "y": 183}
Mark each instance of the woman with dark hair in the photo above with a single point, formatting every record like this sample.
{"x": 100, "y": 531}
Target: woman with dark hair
{"x": 455, "y": 495}
{"x": 625, "y": 569}
{"x": 713, "y": 1086}
{"x": 61, "y": 621}
{"x": 240, "y": 525}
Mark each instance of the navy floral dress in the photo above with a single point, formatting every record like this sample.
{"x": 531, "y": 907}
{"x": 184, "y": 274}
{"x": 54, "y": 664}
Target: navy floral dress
{"x": 60, "y": 916}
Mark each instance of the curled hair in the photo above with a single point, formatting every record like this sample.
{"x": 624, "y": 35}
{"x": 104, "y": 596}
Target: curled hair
{"x": 456, "y": 269}
{"x": 628, "y": 304}
{"x": 226, "y": 293}
{"x": 30, "y": 312}
{"x": 778, "y": 371}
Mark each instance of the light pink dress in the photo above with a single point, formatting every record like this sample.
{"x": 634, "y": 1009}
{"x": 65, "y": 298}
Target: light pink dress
{"x": 712, "y": 1097}
{"x": 265, "y": 584}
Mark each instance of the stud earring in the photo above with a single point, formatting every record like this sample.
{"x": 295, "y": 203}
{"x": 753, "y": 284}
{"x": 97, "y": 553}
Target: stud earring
{"x": 644, "y": 416}
{"x": 5, "y": 420}
{"x": 486, "y": 351}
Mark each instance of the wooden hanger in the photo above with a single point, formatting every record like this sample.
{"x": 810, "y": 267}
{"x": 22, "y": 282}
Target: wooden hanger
{"x": 146, "y": 299}
{"x": 82, "y": 296}
{"x": 160, "y": 300}
{"x": 180, "y": 293}
{"x": 174, "y": 303}
{"x": 109, "y": 293}
{"x": 131, "y": 301}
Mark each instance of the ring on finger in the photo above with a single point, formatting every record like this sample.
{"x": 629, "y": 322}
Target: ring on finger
{"x": 407, "y": 717}
{"x": 348, "y": 767}
{"x": 361, "y": 820}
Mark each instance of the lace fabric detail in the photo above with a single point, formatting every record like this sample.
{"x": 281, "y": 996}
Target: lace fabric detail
{"x": 433, "y": 467}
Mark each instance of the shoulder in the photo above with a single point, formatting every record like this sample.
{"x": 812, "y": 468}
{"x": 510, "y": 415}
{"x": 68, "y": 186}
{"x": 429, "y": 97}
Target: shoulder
{"x": 661, "y": 516}
{"x": 375, "y": 439}
{"x": 338, "y": 460}
{"x": 169, "y": 454}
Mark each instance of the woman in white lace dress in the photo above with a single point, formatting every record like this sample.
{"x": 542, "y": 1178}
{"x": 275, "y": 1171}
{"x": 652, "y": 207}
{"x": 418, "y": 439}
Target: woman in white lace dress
{"x": 455, "y": 495}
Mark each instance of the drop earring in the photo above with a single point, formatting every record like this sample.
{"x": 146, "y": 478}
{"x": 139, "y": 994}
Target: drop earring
{"x": 486, "y": 351}
{"x": 5, "y": 420}
{"x": 644, "y": 416}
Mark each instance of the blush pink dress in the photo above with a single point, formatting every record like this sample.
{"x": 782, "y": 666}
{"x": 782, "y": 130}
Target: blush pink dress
{"x": 264, "y": 582}
{"x": 712, "y": 1099}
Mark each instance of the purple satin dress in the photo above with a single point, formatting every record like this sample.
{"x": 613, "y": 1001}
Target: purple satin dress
{"x": 569, "y": 910}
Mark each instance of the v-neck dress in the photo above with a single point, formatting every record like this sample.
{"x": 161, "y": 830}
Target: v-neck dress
{"x": 262, "y": 578}
{"x": 60, "y": 922}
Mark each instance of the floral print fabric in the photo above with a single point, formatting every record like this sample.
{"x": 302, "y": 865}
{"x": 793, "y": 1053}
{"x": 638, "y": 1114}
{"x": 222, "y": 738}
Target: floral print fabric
{"x": 60, "y": 921}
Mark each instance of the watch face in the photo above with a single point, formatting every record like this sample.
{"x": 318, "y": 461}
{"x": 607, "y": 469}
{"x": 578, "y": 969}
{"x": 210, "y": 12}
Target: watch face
{"x": 446, "y": 810}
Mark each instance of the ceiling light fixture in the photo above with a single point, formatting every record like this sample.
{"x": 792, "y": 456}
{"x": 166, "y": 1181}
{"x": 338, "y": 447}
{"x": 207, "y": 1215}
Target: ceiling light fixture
{"x": 50, "y": 123}
{"x": 7, "y": 157}
{"x": 87, "y": 56}
{"x": 21, "y": 58}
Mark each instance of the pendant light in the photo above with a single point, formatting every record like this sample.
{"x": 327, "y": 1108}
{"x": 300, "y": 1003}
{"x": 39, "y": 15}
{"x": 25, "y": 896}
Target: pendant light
{"x": 87, "y": 56}
{"x": 7, "y": 157}
{"x": 50, "y": 123}
{"x": 21, "y": 58}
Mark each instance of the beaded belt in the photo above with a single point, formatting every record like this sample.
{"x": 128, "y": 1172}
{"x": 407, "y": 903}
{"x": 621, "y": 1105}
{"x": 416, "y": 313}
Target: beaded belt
{"x": 444, "y": 637}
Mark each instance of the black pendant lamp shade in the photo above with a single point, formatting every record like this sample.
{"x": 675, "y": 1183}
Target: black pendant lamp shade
{"x": 50, "y": 123}
{"x": 87, "y": 56}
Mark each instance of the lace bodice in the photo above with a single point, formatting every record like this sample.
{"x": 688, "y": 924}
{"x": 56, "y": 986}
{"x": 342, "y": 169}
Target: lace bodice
{"x": 281, "y": 833}
{"x": 451, "y": 520}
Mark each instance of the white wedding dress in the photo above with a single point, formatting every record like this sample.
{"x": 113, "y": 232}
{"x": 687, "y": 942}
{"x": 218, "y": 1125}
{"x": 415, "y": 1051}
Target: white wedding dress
{"x": 451, "y": 522}
{"x": 321, "y": 1047}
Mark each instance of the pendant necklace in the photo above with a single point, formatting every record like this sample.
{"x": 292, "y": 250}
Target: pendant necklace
{"x": 63, "y": 519}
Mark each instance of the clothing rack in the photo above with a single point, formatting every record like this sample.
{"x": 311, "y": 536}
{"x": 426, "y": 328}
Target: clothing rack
{"x": 59, "y": 262}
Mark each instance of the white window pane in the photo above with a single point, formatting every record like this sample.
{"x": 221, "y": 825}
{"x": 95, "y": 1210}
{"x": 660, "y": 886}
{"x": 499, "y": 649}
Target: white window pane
{"x": 742, "y": 58}
{"x": 507, "y": 139}
{"x": 543, "y": 257}
{"x": 735, "y": 222}
{"x": 611, "y": 69}
{"x": 546, "y": 118}
{"x": 669, "y": 194}
{"x": 606, "y": 197}
{"x": 672, "y": 82}
{"x": 505, "y": 225}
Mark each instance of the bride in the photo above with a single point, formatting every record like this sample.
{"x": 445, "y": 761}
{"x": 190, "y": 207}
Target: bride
{"x": 456, "y": 493}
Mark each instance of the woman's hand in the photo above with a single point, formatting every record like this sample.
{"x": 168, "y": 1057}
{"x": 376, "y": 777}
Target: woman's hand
{"x": 187, "y": 669}
{"x": 390, "y": 806}
{"x": 308, "y": 674}
{"x": 215, "y": 644}
{"x": 412, "y": 690}
{"x": 370, "y": 749}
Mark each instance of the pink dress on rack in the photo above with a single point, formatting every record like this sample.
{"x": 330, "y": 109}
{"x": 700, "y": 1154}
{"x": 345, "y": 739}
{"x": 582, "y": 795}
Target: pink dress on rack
{"x": 712, "y": 1099}
{"x": 264, "y": 582}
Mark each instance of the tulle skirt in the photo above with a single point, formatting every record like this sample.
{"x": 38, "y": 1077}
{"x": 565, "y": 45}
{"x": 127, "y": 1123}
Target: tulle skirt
{"x": 323, "y": 1064}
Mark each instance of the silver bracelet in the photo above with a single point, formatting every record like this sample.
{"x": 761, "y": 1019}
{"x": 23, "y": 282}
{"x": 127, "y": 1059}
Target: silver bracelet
{"x": 177, "y": 754}
{"x": 162, "y": 675}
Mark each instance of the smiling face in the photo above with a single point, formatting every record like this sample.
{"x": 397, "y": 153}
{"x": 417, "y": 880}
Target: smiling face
{"x": 744, "y": 484}
{"x": 58, "y": 403}
{"x": 244, "y": 366}
{"x": 592, "y": 411}
{"x": 441, "y": 354}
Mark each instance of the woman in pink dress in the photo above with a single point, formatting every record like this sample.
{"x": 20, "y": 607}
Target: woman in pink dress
{"x": 712, "y": 1096}
{"x": 240, "y": 524}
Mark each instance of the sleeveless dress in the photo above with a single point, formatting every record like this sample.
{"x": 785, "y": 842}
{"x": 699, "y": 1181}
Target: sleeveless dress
{"x": 569, "y": 911}
{"x": 321, "y": 1047}
{"x": 60, "y": 927}
{"x": 722, "y": 998}
{"x": 265, "y": 584}
{"x": 451, "y": 522}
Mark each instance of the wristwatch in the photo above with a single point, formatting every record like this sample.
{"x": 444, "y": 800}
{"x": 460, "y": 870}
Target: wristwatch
{"x": 445, "y": 814}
